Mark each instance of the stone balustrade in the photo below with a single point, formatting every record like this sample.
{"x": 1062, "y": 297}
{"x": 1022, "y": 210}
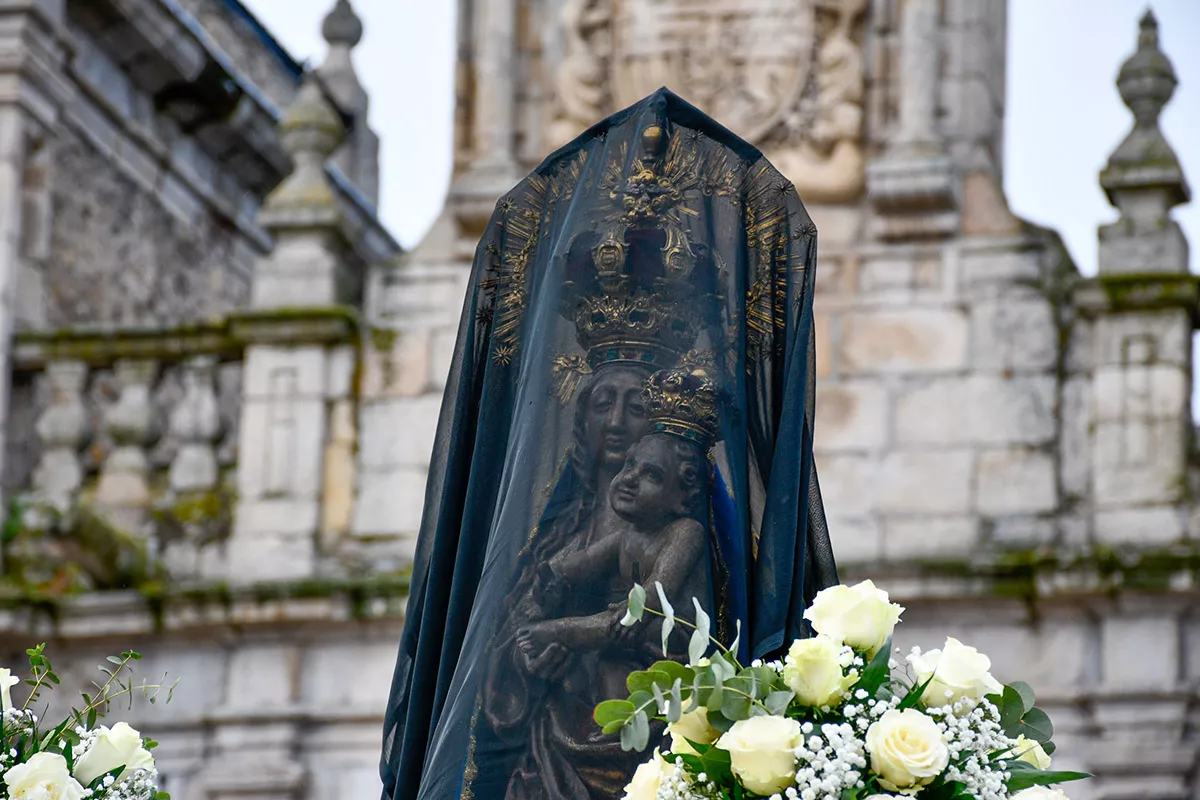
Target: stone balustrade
{"x": 138, "y": 426}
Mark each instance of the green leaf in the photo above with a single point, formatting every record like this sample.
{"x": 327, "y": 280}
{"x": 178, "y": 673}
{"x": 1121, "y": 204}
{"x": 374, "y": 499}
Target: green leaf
{"x": 675, "y": 706}
{"x": 876, "y": 672}
{"x": 636, "y": 735}
{"x": 1036, "y": 725}
{"x": 609, "y": 711}
{"x": 675, "y": 670}
{"x": 913, "y": 697}
{"x": 778, "y": 702}
{"x": 1028, "y": 699}
{"x": 1011, "y": 710}
{"x": 637, "y": 605}
{"x": 644, "y": 681}
{"x": 735, "y": 702}
{"x": 1023, "y": 775}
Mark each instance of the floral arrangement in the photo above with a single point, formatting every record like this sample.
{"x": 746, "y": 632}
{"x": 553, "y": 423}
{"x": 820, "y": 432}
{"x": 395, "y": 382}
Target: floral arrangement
{"x": 837, "y": 718}
{"x": 76, "y": 758}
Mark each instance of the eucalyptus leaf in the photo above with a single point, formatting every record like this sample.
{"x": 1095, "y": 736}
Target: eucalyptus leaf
{"x": 613, "y": 711}
{"x": 641, "y": 730}
{"x": 778, "y": 702}
{"x": 675, "y": 702}
{"x": 643, "y": 680}
{"x": 1025, "y": 692}
{"x": 660, "y": 699}
{"x": 637, "y": 605}
{"x": 1036, "y": 725}
{"x": 696, "y": 647}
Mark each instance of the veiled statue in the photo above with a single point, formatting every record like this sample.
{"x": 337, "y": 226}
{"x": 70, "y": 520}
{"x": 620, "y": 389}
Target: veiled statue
{"x": 630, "y": 401}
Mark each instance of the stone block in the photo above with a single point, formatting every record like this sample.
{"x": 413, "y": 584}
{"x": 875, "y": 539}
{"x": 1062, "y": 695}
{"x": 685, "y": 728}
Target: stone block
{"x": 929, "y": 538}
{"x": 1123, "y": 251}
{"x": 264, "y": 675}
{"x": 822, "y": 327}
{"x": 856, "y": 539}
{"x": 266, "y": 557}
{"x": 302, "y": 271}
{"x": 1159, "y": 337}
{"x": 989, "y": 271}
{"x": 339, "y": 379}
{"x": 396, "y": 363}
{"x": 180, "y": 200}
{"x": 925, "y": 482}
{"x": 1148, "y": 527}
{"x": 300, "y": 372}
{"x": 1015, "y": 482}
{"x": 1075, "y": 438}
{"x": 337, "y": 496}
{"x": 1008, "y": 334}
{"x": 1024, "y": 532}
{"x": 322, "y": 682}
{"x": 852, "y": 415}
{"x": 848, "y": 482}
{"x": 284, "y": 518}
{"x": 979, "y": 409}
{"x": 1140, "y": 652}
{"x": 903, "y": 341}
{"x": 280, "y": 447}
{"x": 399, "y": 432}
{"x": 1138, "y": 462}
{"x": 1132, "y": 392}
{"x": 390, "y": 502}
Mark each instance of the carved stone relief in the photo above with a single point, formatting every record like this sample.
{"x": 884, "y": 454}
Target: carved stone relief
{"x": 787, "y": 75}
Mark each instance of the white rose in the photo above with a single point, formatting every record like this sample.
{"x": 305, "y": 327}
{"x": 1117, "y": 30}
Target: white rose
{"x": 1040, "y": 793}
{"x": 118, "y": 746}
{"x": 646, "y": 779}
{"x": 7, "y": 681}
{"x": 858, "y": 615}
{"x": 1030, "y": 752}
{"x": 884, "y": 797}
{"x": 761, "y": 752}
{"x": 43, "y": 777}
{"x": 907, "y": 750}
{"x": 692, "y": 726}
{"x": 958, "y": 669}
{"x": 813, "y": 670}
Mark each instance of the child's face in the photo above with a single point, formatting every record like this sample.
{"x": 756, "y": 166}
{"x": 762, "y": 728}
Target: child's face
{"x": 648, "y": 490}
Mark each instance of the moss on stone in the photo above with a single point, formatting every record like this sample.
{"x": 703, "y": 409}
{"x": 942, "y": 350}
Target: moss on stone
{"x": 1149, "y": 291}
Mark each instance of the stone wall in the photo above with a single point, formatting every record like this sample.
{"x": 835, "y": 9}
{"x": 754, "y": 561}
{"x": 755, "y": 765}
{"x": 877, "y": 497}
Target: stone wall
{"x": 118, "y": 257}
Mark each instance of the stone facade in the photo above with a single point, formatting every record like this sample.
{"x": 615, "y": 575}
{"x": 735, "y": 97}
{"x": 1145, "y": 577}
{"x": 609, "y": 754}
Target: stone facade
{"x": 225, "y": 375}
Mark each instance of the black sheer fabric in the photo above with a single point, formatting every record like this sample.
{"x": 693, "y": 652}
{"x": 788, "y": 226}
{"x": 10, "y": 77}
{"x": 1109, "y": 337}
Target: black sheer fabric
{"x": 631, "y": 399}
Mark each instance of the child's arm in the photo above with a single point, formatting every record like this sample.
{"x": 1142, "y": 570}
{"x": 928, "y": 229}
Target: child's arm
{"x": 673, "y": 566}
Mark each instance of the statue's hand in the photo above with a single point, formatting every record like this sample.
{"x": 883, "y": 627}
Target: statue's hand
{"x": 552, "y": 662}
{"x": 624, "y": 634}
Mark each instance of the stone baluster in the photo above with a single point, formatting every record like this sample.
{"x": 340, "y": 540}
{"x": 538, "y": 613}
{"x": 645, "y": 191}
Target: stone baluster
{"x": 196, "y": 423}
{"x": 123, "y": 492}
{"x": 62, "y": 430}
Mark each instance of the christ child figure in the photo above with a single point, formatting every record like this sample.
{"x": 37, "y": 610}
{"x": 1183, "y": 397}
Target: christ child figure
{"x": 661, "y": 499}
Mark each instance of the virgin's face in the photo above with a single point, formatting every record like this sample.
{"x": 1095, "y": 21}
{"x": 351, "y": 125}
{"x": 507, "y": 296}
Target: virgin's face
{"x": 615, "y": 416}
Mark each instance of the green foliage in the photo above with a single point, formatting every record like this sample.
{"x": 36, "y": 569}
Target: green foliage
{"x": 32, "y": 736}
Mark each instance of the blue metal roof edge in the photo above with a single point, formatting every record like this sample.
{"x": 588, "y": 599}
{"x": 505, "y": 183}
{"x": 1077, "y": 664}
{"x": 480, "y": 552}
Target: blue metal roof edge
{"x": 296, "y": 68}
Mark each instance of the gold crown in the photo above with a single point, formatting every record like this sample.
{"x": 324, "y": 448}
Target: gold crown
{"x": 683, "y": 402}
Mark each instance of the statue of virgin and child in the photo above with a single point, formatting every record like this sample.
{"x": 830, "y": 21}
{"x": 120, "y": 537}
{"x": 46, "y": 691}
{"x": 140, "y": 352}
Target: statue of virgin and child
{"x": 630, "y": 401}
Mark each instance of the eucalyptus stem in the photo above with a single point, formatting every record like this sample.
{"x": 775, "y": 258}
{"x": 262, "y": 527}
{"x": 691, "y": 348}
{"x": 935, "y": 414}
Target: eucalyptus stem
{"x": 679, "y": 621}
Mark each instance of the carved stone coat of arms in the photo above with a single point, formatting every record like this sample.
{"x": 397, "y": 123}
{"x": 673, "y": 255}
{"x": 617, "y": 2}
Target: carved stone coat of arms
{"x": 785, "y": 74}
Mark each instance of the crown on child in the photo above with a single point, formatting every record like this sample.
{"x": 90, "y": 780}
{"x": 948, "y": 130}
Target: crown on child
{"x": 683, "y": 402}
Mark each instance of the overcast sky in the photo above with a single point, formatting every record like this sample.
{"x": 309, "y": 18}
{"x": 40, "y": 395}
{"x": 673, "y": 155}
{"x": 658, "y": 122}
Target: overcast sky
{"x": 1063, "y": 118}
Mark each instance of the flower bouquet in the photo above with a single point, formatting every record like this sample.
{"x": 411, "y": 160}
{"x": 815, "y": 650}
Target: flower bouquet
{"x": 76, "y": 758}
{"x": 838, "y": 718}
